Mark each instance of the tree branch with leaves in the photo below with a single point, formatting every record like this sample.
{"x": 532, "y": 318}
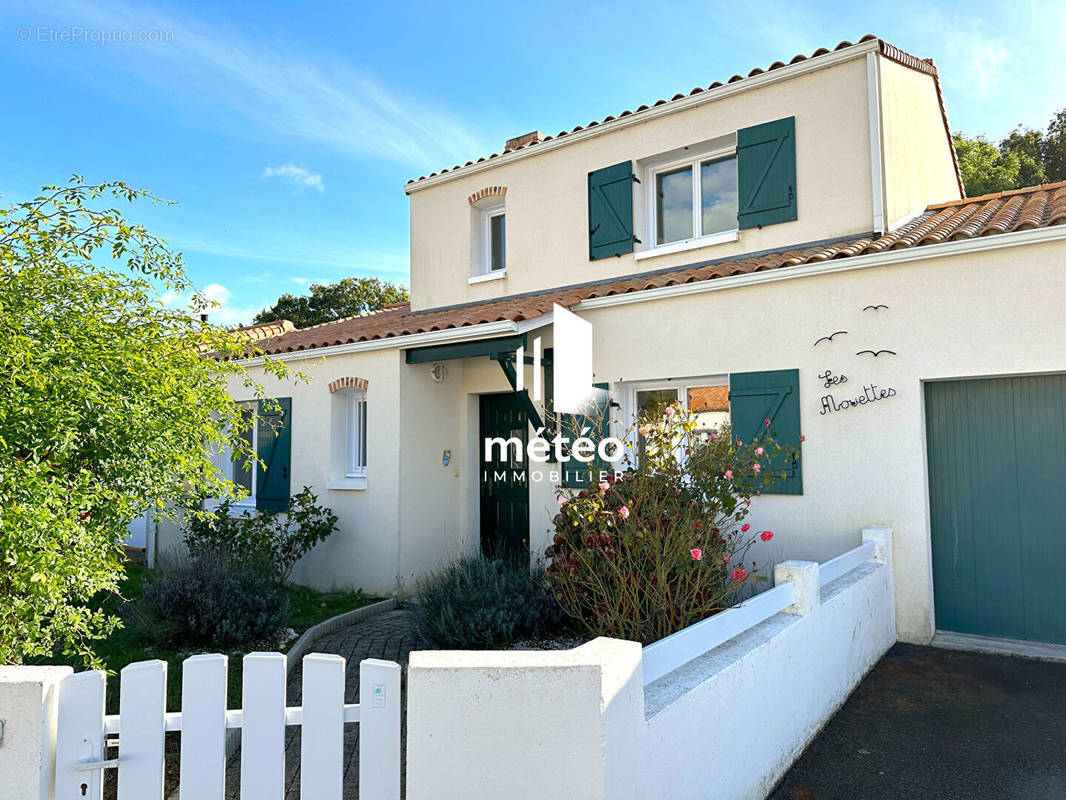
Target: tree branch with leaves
{"x": 109, "y": 405}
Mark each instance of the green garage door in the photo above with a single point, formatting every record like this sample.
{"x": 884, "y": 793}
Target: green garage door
{"x": 997, "y": 496}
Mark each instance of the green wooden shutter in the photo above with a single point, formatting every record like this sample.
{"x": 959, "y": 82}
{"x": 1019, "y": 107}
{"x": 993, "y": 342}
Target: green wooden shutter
{"x": 577, "y": 474}
{"x": 766, "y": 173}
{"x": 611, "y": 211}
{"x": 274, "y": 448}
{"x": 755, "y": 397}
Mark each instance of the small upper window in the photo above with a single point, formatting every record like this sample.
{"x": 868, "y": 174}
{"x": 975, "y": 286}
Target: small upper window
{"x": 355, "y": 440}
{"x": 494, "y": 249}
{"x": 694, "y": 199}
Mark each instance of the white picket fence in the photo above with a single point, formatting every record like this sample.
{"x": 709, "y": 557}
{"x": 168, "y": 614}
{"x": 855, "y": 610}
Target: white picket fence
{"x": 84, "y": 730}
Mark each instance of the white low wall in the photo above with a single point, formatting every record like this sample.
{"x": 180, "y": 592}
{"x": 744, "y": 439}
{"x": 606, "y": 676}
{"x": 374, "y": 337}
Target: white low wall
{"x": 577, "y": 723}
{"x": 28, "y": 703}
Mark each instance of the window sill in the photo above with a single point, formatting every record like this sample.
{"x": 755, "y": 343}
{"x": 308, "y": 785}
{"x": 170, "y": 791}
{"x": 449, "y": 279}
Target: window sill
{"x": 688, "y": 244}
{"x": 347, "y": 485}
{"x": 491, "y": 276}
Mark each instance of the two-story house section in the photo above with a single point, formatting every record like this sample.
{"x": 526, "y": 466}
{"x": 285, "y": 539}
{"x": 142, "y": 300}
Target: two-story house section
{"x": 842, "y": 144}
{"x": 793, "y": 244}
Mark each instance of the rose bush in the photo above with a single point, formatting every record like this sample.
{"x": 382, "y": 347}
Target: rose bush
{"x": 653, "y": 549}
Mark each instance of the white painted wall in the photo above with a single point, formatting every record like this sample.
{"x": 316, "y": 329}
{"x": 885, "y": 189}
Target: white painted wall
{"x": 578, "y": 724}
{"x": 364, "y": 552}
{"x": 547, "y": 193}
{"x": 974, "y": 315}
{"x": 492, "y": 724}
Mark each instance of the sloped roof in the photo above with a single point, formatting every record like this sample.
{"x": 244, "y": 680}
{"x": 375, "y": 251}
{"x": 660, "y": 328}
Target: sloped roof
{"x": 990, "y": 215}
{"x": 888, "y": 50}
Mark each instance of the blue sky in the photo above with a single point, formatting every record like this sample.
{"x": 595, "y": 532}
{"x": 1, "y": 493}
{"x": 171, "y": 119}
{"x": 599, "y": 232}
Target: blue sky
{"x": 285, "y": 133}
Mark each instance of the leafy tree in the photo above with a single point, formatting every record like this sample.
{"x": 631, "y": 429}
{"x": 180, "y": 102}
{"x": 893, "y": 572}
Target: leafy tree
{"x": 107, "y": 400}
{"x": 1028, "y": 146}
{"x": 332, "y": 301}
{"x": 984, "y": 169}
{"x": 1054, "y": 147}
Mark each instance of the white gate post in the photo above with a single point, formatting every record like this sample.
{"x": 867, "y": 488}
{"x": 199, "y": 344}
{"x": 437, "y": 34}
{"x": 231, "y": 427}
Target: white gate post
{"x": 28, "y": 703}
{"x": 80, "y": 736}
{"x": 379, "y": 730}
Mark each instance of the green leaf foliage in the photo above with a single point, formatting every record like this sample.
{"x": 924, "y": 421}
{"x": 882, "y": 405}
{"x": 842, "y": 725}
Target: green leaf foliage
{"x": 1026, "y": 157}
{"x": 109, "y": 402}
{"x": 333, "y": 301}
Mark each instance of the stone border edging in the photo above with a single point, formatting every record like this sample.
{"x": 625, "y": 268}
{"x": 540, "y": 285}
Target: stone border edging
{"x": 302, "y": 645}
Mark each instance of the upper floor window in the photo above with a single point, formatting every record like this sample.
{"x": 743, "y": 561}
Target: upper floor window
{"x": 693, "y": 199}
{"x": 488, "y": 234}
{"x": 494, "y": 230}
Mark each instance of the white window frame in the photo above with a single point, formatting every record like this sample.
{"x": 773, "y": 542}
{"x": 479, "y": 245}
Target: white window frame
{"x": 693, "y": 162}
{"x": 355, "y": 435}
{"x": 682, "y": 385}
{"x": 225, "y": 463}
{"x": 487, "y": 216}
{"x": 350, "y": 415}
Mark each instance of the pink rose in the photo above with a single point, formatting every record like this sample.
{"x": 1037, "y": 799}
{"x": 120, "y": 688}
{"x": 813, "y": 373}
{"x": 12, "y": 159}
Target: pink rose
{"x": 670, "y": 411}
{"x": 725, "y": 559}
{"x": 739, "y": 575}
{"x": 766, "y": 421}
{"x": 745, "y": 527}
{"x": 802, "y": 437}
{"x": 562, "y": 500}
{"x": 604, "y": 486}
{"x": 758, "y": 451}
{"x": 714, "y": 436}
{"x": 729, "y": 474}
{"x": 747, "y": 500}
{"x": 766, "y": 535}
{"x": 756, "y": 466}
{"x": 623, "y": 512}
{"x": 696, "y": 553}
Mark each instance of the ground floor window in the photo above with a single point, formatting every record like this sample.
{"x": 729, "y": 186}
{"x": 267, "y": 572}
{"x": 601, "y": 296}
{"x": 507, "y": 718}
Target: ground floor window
{"x": 707, "y": 397}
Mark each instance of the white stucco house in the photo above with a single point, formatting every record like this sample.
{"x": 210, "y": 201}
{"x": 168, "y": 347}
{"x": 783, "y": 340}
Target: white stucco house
{"x": 793, "y": 243}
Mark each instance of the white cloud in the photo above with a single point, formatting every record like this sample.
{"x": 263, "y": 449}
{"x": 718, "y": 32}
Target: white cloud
{"x": 301, "y": 281}
{"x": 220, "y": 310}
{"x": 311, "y": 97}
{"x": 295, "y": 176}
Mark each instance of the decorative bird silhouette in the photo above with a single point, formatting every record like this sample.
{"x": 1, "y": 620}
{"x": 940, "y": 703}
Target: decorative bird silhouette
{"x": 828, "y": 338}
{"x": 876, "y": 353}
{"x": 877, "y": 307}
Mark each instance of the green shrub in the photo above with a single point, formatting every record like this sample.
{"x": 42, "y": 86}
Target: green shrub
{"x": 476, "y": 602}
{"x": 653, "y": 550}
{"x": 276, "y": 538}
{"x": 210, "y": 602}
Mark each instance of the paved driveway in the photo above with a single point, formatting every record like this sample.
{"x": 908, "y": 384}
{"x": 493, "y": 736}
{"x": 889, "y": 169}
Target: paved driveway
{"x": 931, "y": 724}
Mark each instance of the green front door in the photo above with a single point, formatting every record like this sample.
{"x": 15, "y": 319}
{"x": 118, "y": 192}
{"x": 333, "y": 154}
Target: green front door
{"x": 997, "y": 498}
{"x": 504, "y": 479}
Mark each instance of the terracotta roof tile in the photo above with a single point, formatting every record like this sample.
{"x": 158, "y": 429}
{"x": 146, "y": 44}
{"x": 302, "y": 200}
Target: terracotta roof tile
{"x": 1020, "y": 210}
{"x": 889, "y": 51}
